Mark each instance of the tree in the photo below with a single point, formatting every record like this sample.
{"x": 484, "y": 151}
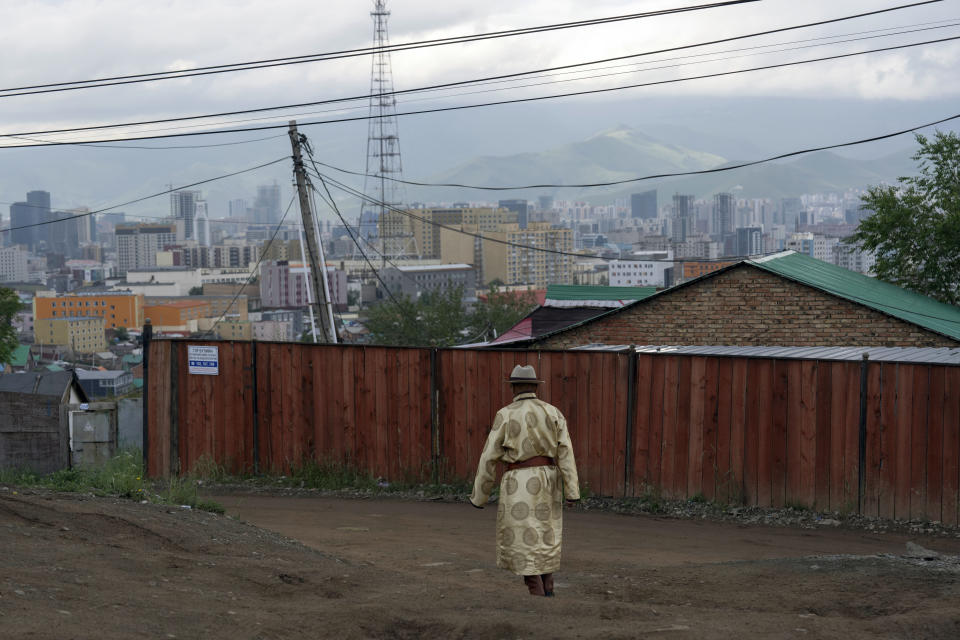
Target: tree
{"x": 915, "y": 227}
{"x": 195, "y": 291}
{"x": 500, "y": 311}
{"x": 121, "y": 334}
{"x": 435, "y": 319}
{"x": 9, "y": 306}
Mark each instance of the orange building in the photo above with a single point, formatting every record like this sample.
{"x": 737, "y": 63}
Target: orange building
{"x": 177, "y": 313}
{"x": 118, "y": 309}
{"x": 696, "y": 268}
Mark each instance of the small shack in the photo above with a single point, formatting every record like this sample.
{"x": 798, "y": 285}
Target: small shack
{"x": 47, "y": 423}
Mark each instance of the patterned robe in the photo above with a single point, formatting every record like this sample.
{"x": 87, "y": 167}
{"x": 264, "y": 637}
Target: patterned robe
{"x": 530, "y": 509}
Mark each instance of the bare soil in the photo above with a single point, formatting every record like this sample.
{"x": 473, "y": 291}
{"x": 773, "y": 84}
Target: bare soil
{"x": 319, "y": 567}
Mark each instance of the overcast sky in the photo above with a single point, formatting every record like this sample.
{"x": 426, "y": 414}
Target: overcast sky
{"x": 51, "y": 41}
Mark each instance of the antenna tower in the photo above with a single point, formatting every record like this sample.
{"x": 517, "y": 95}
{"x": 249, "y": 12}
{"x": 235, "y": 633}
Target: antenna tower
{"x": 394, "y": 238}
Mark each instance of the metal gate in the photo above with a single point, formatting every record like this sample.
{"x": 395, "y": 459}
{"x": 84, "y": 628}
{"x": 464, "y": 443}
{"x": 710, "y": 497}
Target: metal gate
{"x": 93, "y": 433}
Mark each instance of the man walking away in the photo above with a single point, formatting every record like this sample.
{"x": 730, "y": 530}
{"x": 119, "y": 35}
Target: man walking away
{"x": 531, "y": 437}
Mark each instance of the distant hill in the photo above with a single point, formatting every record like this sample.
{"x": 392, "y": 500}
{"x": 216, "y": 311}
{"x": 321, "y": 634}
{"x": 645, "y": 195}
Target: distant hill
{"x": 624, "y": 153}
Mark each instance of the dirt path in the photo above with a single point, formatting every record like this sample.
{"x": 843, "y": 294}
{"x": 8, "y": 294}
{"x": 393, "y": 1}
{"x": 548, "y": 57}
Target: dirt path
{"x": 80, "y": 567}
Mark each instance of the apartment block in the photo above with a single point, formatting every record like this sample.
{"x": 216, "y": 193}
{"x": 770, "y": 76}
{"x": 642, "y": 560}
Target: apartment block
{"x": 138, "y": 244}
{"x": 81, "y": 334}
{"x": 117, "y": 308}
{"x": 13, "y": 264}
{"x": 517, "y": 265}
{"x": 425, "y": 224}
{"x": 285, "y": 284}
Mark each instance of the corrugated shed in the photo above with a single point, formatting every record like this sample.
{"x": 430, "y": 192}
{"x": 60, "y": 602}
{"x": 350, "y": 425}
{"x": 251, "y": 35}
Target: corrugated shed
{"x": 40, "y": 383}
{"x": 915, "y": 355}
{"x": 856, "y": 287}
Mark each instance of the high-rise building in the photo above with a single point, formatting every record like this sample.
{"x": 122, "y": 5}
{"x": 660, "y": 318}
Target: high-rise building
{"x": 266, "y": 207}
{"x": 183, "y": 209}
{"x": 426, "y": 225}
{"x": 238, "y": 208}
{"x": 22, "y": 214}
{"x": 13, "y": 264}
{"x": 684, "y": 217}
{"x": 749, "y": 241}
{"x": 513, "y": 264}
{"x": 724, "y": 210}
{"x": 644, "y": 205}
{"x": 520, "y": 207}
{"x": 138, "y": 244}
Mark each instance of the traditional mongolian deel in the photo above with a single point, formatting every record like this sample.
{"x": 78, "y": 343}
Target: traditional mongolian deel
{"x": 530, "y": 509}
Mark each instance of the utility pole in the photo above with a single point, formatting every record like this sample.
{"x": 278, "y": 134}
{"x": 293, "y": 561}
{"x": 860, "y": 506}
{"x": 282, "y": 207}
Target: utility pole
{"x": 318, "y": 267}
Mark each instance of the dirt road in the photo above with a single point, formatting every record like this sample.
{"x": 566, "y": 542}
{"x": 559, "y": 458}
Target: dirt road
{"x": 74, "y": 567}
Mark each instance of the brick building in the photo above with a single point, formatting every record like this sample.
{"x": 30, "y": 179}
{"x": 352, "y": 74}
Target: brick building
{"x": 784, "y": 300}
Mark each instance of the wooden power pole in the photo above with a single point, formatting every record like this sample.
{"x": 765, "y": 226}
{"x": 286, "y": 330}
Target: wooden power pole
{"x": 318, "y": 267}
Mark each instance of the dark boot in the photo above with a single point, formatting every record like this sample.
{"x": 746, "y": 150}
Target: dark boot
{"x": 534, "y": 585}
{"x": 547, "y": 584}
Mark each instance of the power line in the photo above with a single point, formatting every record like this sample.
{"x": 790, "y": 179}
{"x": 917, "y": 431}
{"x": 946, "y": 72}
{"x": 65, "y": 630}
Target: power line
{"x": 152, "y": 195}
{"x": 466, "y": 82}
{"x": 471, "y": 106}
{"x": 336, "y": 210}
{"x": 660, "y": 175}
{"x": 535, "y": 74}
{"x": 354, "y": 192}
{"x": 255, "y": 269}
{"x": 185, "y": 146}
{"x": 349, "y": 53}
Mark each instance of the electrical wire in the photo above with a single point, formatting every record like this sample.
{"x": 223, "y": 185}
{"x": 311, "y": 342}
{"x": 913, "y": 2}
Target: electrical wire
{"x": 890, "y": 32}
{"x": 676, "y": 174}
{"x": 152, "y": 195}
{"x": 567, "y": 253}
{"x": 480, "y": 80}
{"x": 336, "y": 210}
{"x": 356, "y": 193}
{"x": 255, "y": 270}
{"x": 349, "y": 53}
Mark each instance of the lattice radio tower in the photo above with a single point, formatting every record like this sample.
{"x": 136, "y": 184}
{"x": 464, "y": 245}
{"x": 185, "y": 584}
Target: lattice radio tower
{"x": 394, "y": 238}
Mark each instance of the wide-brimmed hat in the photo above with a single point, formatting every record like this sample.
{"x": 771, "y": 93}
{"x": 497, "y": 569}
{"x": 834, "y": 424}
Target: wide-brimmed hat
{"x": 524, "y": 374}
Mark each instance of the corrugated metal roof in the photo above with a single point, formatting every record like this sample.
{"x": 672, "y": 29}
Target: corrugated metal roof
{"x": 856, "y": 287}
{"x": 924, "y": 355}
{"x": 589, "y": 292}
{"x": 19, "y": 356}
{"x": 41, "y": 383}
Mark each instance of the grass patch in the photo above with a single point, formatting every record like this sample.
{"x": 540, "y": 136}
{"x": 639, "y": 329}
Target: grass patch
{"x": 122, "y": 477}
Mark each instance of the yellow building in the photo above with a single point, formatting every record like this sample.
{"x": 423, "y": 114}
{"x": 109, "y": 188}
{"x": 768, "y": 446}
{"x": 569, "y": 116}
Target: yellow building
{"x": 511, "y": 263}
{"x": 427, "y": 225}
{"x": 81, "y": 334}
{"x": 118, "y": 309}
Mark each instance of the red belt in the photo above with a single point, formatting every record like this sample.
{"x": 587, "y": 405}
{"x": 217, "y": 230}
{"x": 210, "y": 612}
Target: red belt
{"x": 536, "y": 461}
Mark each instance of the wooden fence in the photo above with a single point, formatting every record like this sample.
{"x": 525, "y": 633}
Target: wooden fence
{"x": 882, "y": 439}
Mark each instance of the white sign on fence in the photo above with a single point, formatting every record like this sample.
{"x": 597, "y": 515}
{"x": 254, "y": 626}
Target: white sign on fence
{"x": 203, "y": 360}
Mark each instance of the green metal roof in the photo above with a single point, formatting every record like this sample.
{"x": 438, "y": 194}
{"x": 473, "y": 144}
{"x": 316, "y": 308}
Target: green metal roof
{"x": 54, "y": 367}
{"x": 138, "y": 383}
{"x": 890, "y": 299}
{"x": 20, "y": 356}
{"x": 132, "y": 359}
{"x": 589, "y": 292}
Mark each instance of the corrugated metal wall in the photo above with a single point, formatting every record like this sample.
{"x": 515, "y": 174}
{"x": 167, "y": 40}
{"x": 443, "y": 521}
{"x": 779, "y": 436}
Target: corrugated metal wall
{"x": 756, "y": 431}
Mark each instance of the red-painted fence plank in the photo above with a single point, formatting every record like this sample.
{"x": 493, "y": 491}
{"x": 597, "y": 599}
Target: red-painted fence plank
{"x": 935, "y": 450}
{"x": 741, "y": 490}
{"x": 904, "y": 390}
{"x": 951, "y": 446}
{"x": 695, "y": 428}
{"x": 918, "y": 437}
{"x": 641, "y": 425}
{"x": 656, "y": 417}
{"x": 782, "y": 412}
{"x": 806, "y": 494}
